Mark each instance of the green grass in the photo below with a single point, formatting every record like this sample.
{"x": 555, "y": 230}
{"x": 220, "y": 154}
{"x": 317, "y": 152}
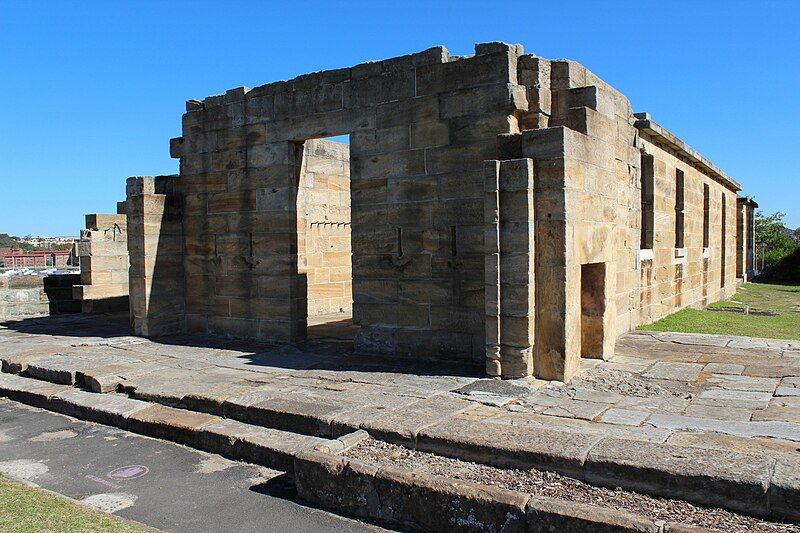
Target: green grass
{"x": 25, "y": 509}
{"x": 727, "y": 317}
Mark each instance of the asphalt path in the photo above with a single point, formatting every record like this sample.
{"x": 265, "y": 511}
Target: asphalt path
{"x": 154, "y": 482}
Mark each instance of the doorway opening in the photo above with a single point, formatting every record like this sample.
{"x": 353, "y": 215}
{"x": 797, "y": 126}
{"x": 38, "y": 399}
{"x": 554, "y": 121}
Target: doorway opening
{"x": 593, "y": 306}
{"x": 324, "y": 241}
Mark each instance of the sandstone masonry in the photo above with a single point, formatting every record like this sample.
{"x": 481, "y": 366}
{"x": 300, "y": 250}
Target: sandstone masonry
{"x": 103, "y": 252}
{"x": 499, "y": 206}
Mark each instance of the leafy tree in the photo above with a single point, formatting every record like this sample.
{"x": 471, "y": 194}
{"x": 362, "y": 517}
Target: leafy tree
{"x": 770, "y": 230}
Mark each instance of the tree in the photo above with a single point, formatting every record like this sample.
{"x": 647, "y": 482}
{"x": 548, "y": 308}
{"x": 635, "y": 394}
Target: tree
{"x": 770, "y": 230}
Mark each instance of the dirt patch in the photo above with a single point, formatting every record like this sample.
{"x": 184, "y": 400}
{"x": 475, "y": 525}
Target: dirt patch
{"x": 564, "y": 488}
{"x": 625, "y": 383}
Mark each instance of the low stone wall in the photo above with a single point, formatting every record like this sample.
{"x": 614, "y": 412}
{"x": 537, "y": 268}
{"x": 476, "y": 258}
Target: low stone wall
{"x": 103, "y": 252}
{"x": 401, "y": 497}
{"x": 34, "y": 296}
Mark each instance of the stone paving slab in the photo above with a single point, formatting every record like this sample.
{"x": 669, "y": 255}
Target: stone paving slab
{"x": 63, "y": 368}
{"x": 777, "y": 412}
{"x": 352, "y": 419}
{"x": 112, "y": 377}
{"x": 749, "y": 445}
{"x": 169, "y": 423}
{"x": 784, "y": 490}
{"x": 670, "y": 471}
{"x": 16, "y": 362}
{"x": 645, "y": 433}
{"x": 674, "y": 371}
{"x": 742, "y": 383}
{"x": 724, "y": 368}
{"x": 106, "y": 409}
{"x": 624, "y": 417}
{"x": 402, "y": 426}
{"x": 775, "y": 429}
{"x": 301, "y": 412}
{"x": 713, "y": 412}
{"x": 509, "y": 446}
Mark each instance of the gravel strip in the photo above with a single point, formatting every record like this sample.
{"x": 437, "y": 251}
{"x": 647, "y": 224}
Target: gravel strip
{"x": 563, "y": 488}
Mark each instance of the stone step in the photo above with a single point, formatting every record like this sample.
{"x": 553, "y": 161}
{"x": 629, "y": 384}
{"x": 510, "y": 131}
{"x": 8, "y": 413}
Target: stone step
{"x": 405, "y": 498}
{"x": 272, "y": 405}
{"x": 759, "y": 484}
{"x": 259, "y": 445}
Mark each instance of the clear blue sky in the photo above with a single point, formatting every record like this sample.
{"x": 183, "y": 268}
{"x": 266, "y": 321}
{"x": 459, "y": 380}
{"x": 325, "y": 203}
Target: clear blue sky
{"x": 93, "y": 91}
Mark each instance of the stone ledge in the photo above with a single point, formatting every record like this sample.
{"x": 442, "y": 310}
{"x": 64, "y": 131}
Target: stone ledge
{"x": 401, "y": 497}
{"x": 29, "y": 391}
{"x": 509, "y": 446}
{"x": 784, "y": 490}
{"x": 757, "y": 486}
{"x": 705, "y": 477}
{"x": 236, "y": 440}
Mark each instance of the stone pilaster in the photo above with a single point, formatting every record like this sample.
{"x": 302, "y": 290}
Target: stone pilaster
{"x": 155, "y": 246}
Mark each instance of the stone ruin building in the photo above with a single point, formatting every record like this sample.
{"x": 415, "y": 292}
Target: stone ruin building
{"x": 497, "y": 207}
{"x": 103, "y": 253}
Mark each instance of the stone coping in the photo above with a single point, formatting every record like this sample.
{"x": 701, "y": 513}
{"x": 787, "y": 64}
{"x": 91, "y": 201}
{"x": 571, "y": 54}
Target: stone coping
{"x": 660, "y": 134}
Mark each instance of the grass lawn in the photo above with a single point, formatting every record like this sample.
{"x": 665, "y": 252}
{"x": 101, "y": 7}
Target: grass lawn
{"x": 774, "y": 314}
{"x": 25, "y": 509}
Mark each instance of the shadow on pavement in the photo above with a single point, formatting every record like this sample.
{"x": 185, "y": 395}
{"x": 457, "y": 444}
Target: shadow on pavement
{"x": 329, "y": 346}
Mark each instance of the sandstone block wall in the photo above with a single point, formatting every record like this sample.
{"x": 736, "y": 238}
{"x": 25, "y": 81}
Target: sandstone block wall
{"x": 103, "y": 252}
{"x": 502, "y": 206}
{"x": 745, "y": 238}
{"x": 155, "y": 245}
{"x": 671, "y": 278}
{"x": 420, "y": 128}
{"x": 24, "y": 297}
{"x": 595, "y": 276}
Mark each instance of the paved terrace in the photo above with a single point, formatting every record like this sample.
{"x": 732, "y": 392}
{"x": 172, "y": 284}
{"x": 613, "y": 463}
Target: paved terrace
{"x": 722, "y": 392}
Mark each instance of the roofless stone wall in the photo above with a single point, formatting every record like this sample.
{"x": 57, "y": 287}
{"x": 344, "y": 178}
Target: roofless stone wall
{"x": 103, "y": 253}
{"x": 503, "y": 207}
{"x": 420, "y": 128}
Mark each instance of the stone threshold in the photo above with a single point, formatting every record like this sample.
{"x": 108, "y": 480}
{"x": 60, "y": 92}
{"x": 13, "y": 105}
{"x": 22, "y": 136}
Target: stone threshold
{"x": 735, "y": 481}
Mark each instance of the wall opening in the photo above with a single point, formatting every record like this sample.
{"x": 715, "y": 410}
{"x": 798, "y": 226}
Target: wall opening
{"x": 648, "y": 186}
{"x": 706, "y": 213}
{"x": 679, "y": 219}
{"x": 324, "y": 237}
{"x": 722, "y": 242}
{"x": 751, "y": 241}
{"x": 593, "y": 306}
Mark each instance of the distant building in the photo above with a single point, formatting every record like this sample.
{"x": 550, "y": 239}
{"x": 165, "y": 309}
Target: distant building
{"x": 41, "y": 259}
{"x": 4, "y": 252}
{"x": 48, "y": 242}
